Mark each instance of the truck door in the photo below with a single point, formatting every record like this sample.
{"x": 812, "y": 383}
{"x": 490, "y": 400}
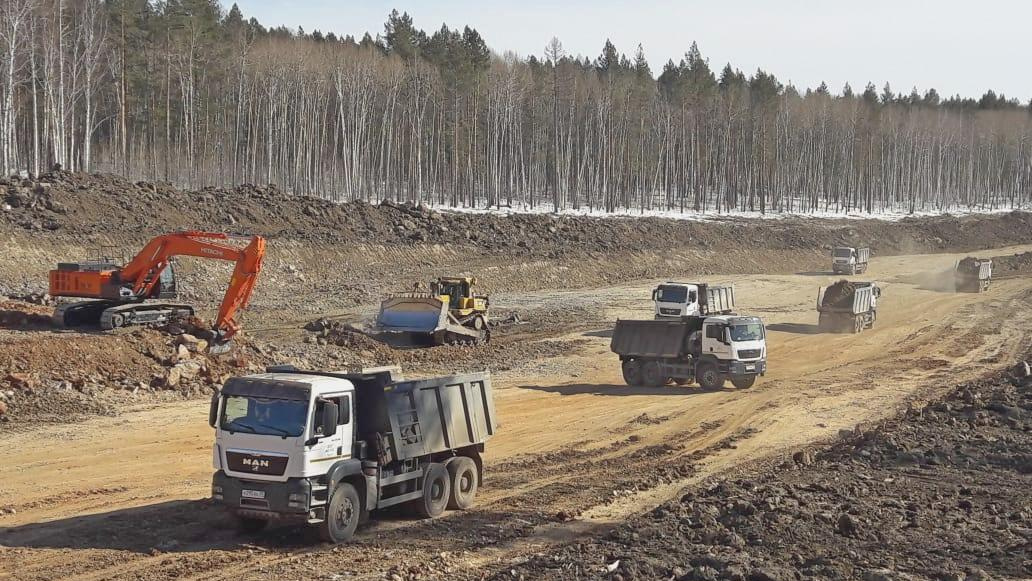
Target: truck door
{"x": 714, "y": 342}
{"x": 338, "y": 445}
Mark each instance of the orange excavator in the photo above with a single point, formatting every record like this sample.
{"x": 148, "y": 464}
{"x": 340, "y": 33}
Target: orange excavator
{"x": 121, "y": 292}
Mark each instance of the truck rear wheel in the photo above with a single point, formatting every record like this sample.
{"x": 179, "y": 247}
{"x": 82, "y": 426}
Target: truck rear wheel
{"x": 709, "y": 377}
{"x": 342, "y": 514}
{"x": 462, "y": 472}
{"x": 858, "y": 324}
{"x": 436, "y": 492}
{"x": 743, "y": 381}
{"x": 651, "y": 376}
{"x": 632, "y": 372}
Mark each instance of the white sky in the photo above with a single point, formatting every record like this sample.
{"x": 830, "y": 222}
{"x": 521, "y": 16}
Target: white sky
{"x": 956, "y": 46}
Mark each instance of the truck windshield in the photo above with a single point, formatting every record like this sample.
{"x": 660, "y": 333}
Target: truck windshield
{"x": 747, "y": 332}
{"x": 272, "y": 417}
{"x": 672, "y": 294}
{"x": 843, "y": 252}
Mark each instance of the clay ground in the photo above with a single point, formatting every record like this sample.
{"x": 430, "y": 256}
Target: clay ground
{"x": 578, "y": 452}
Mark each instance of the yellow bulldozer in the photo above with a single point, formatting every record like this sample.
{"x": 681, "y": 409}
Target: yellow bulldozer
{"x": 450, "y": 313}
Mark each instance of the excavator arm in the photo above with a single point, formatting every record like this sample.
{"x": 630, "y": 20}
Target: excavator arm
{"x": 144, "y": 270}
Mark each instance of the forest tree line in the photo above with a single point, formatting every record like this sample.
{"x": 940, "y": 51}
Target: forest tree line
{"x": 186, "y": 92}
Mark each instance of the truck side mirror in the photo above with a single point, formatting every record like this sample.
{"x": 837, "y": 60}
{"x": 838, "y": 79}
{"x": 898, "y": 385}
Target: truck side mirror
{"x": 328, "y": 419}
{"x": 726, "y": 336}
{"x": 655, "y": 295}
{"x": 213, "y": 411}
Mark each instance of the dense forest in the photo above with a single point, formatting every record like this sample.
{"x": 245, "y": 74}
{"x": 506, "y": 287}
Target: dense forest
{"x": 187, "y": 92}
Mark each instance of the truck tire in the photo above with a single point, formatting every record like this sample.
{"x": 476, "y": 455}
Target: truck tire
{"x": 462, "y": 472}
{"x": 632, "y": 372}
{"x": 743, "y": 381}
{"x": 858, "y": 324}
{"x": 249, "y": 526}
{"x": 343, "y": 512}
{"x": 436, "y": 492}
{"x": 650, "y": 375}
{"x": 709, "y": 377}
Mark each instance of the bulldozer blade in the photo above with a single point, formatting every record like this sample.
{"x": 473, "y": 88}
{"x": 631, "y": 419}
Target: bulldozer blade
{"x": 412, "y": 315}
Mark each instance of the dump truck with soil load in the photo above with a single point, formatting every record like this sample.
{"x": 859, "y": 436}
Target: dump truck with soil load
{"x": 709, "y": 350}
{"x": 847, "y": 306}
{"x": 973, "y": 275}
{"x": 450, "y": 313}
{"x": 674, "y": 300}
{"x": 849, "y": 260}
{"x": 325, "y": 449}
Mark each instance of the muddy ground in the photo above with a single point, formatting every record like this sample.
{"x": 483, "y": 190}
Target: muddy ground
{"x": 107, "y": 466}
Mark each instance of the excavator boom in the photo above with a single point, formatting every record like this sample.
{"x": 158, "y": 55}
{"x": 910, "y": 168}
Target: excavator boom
{"x": 141, "y": 278}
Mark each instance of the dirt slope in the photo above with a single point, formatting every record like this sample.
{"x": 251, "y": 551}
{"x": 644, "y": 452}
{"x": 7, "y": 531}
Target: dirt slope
{"x": 602, "y": 453}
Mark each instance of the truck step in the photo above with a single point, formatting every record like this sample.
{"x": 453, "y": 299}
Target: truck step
{"x": 319, "y": 487}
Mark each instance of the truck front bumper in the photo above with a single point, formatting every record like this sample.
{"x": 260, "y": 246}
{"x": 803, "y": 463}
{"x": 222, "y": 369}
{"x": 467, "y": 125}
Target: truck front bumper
{"x": 266, "y": 500}
{"x": 758, "y": 367}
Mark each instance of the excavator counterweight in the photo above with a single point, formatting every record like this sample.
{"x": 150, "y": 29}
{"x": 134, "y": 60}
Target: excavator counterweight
{"x": 133, "y": 294}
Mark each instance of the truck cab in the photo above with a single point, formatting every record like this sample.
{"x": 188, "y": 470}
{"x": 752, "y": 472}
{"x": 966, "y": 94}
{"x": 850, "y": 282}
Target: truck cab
{"x": 674, "y": 300}
{"x": 326, "y": 448}
{"x": 849, "y": 260}
{"x": 739, "y": 344}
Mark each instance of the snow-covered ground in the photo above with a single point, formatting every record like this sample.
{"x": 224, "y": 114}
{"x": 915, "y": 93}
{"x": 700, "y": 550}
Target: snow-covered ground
{"x": 886, "y": 214}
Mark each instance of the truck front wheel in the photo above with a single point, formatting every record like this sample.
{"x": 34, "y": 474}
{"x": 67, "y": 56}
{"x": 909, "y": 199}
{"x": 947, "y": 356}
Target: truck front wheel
{"x": 743, "y": 381}
{"x": 342, "y": 514}
{"x": 436, "y": 492}
{"x": 709, "y": 377}
{"x": 632, "y": 372}
{"x": 463, "y": 474}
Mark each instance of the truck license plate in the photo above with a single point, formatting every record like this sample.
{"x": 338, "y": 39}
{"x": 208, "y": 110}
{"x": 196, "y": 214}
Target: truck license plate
{"x": 750, "y": 368}
{"x": 252, "y": 493}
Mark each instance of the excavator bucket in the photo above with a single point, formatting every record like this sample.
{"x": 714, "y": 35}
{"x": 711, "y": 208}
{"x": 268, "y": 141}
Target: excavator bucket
{"x": 218, "y": 347}
{"x": 413, "y": 314}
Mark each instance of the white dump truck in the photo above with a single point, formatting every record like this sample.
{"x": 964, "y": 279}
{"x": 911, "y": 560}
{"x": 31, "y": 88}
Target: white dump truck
{"x": 973, "y": 275}
{"x": 847, "y": 306}
{"x": 326, "y": 449}
{"x": 849, "y": 260}
{"x": 674, "y": 300}
{"x": 709, "y": 350}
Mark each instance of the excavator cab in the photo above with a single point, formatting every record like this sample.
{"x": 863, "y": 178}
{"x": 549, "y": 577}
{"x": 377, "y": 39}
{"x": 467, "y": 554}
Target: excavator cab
{"x": 166, "y": 287}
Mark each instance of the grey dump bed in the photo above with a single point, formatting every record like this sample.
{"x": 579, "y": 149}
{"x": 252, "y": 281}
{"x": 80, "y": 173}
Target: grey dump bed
{"x": 420, "y": 417}
{"x": 861, "y": 300}
{"x": 717, "y": 299}
{"x": 653, "y": 338}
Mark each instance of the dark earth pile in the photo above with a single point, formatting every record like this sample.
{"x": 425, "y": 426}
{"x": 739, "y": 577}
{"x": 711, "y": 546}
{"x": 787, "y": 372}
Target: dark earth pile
{"x": 91, "y": 207}
{"x": 1013, "y": 264}
{"x": 941, "y": 492}
{"x": 839, "y": 295}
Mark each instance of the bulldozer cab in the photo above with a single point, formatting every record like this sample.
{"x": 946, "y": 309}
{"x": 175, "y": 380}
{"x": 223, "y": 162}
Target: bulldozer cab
{"x": 458, "y": 290}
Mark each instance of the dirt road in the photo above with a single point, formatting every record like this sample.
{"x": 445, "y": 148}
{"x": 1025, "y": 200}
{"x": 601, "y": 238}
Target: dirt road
{"x": 121, "y": 497}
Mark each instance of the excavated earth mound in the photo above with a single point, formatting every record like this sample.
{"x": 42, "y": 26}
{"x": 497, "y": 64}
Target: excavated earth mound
{"x": 942, "y": 492}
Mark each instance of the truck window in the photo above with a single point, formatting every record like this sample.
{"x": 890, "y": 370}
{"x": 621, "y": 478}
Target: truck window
{"x": 267, "y": 416}
{"x": 843, "y": 252}
{"x": 668, "y": 293}
{"x": 715, "y": 332}
{"x": 343, "y": 410}
{"x": 747, "y": 332}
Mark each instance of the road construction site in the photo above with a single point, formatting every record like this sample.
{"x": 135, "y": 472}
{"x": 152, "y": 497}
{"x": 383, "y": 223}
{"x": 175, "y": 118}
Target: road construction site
{"x": 108, "y": 464}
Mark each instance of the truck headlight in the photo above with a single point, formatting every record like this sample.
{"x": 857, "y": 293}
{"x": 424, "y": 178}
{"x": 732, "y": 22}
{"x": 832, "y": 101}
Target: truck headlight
{"x": 297, "y": 500}
{"x": 216, "y": 492}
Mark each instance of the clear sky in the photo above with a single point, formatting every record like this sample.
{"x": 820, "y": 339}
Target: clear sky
{"x": 956, "y": 46}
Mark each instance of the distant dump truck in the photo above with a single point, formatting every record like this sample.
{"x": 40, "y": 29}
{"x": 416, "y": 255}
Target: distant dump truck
{"x": 325, "y": 449}
{"x": 849, "y": 260}
{"x": 973, "y": 275}
{"x": 847, "y": 306}
{"x": 709, "y": 350}
{"x": 674, "y": 300}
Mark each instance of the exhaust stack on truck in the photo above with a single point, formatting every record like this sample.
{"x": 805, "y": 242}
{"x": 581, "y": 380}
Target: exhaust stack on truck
{"x": 326, "y": 449}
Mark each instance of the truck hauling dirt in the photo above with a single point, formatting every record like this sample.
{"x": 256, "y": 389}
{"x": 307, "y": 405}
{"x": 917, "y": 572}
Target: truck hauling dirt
{"x": 683, "y": 299}
{"x": 450, "y": 313}
{"x": 709, "y": 350}
{"x": 973, "y": 275}
{"x": 326, "y": 449}
{"x": 849, "y": 260}
{"x": 847, "y": 306}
